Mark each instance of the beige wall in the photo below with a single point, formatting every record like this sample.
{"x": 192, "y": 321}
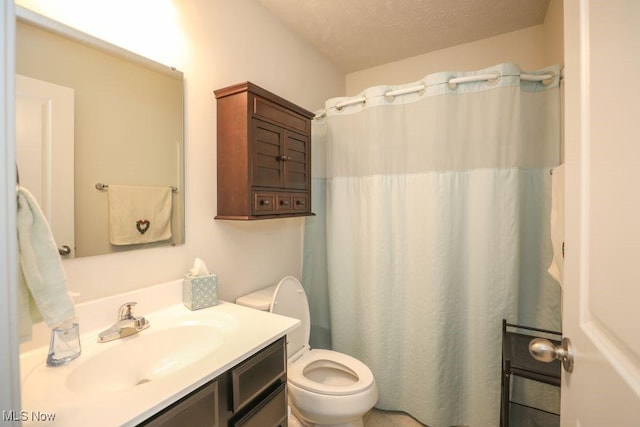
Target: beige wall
{"x": 531, "y": 48}
{"x": 554, "y": 33}
{"x": 554, "y": 49}
{"x": 215, "y": 43}
{"x": 524, "y": 47}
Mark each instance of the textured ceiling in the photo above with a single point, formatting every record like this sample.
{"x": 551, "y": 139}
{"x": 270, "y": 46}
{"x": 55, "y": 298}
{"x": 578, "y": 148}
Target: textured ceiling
{"x": 359, "y": 34}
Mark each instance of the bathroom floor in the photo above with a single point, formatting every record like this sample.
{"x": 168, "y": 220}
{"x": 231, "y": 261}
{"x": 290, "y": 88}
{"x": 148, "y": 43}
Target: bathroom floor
{"x": 377, "y": 418}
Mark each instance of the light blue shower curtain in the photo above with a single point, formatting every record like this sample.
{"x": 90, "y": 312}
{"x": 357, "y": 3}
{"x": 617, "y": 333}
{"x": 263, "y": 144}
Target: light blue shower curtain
{"x": 432, "y": 225}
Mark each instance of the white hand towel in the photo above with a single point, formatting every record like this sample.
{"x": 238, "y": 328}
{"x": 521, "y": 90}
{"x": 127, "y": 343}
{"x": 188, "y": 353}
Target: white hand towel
{"x": 139, "y": 214}
{"x": 556, "y": 269}
{"x": 42, "y": 287}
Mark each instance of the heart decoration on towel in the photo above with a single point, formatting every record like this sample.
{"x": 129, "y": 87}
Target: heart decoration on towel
{"x": 142, "y": 225}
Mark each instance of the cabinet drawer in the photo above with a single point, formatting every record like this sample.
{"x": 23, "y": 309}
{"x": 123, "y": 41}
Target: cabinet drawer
{"x": 273, "y": 112}
{"x": 284, "y": 202}
{"x": 301, "y": 202}
{"x": 200, "y": 408}
{"x": 272, "y": 412}
{"x": 264, "y": 203}
{"x": 255, "y": 375}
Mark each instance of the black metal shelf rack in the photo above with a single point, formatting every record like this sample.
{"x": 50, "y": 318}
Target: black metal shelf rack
{"x": 516, "y": 360}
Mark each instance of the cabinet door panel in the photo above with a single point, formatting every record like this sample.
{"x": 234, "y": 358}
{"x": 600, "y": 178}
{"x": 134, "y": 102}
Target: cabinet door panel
{"x": 297, "y": 180}
{"x": 297, "y": 146}
{"x": 297, "y": 166}
{"x": 267, "y": 149}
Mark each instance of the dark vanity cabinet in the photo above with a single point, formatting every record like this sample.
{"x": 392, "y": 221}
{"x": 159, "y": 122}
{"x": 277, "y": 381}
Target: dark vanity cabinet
{"x": 264, "y": 155}
{"x": 259, "y": 389}
{"x": 251, "y": 394}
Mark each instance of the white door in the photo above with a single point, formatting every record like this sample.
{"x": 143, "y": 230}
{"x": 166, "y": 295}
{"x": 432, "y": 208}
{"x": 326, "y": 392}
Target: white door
{"x": 44, "y": 152}
{"x": 601, "y": 293}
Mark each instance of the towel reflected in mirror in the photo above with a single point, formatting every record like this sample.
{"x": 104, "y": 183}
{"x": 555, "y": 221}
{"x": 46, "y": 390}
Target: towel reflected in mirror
{"x": 139, "y": 214}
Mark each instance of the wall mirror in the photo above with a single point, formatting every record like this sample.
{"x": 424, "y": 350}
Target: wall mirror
{"x": 88, "y": 113}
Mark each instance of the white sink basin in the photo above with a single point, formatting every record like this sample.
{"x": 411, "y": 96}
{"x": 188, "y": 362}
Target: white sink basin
{"x": 176, "y": 340}
{"x": 125, "y": 381}
{"x": 144, "y": 357}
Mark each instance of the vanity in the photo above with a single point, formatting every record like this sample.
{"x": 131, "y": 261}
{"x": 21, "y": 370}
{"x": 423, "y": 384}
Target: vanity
{"x": 220, "y": 366}
{"x": 252, "y": 393}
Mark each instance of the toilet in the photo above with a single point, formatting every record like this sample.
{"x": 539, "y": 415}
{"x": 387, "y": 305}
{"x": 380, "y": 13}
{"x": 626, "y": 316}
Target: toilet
{"x": 326, "y": 388}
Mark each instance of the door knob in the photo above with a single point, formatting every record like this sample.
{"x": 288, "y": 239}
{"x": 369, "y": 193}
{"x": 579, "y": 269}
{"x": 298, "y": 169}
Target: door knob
{"x": 64, "y": 250}
{"x": 544, "y": 350}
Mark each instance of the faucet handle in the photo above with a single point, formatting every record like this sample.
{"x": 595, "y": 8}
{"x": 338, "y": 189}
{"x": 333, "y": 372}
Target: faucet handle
{"x": 140, "y": 323}
{"x": 126, "y": 311}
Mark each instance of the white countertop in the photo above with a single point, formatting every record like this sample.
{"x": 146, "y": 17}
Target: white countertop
{"x": 44, "y": 393}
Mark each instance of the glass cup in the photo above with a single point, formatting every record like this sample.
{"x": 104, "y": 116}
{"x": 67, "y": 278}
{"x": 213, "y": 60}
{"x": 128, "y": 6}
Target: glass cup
{"x": 64, "y": 345}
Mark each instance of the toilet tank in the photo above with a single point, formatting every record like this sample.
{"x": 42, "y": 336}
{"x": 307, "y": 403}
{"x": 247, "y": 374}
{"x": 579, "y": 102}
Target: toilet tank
{"x": 260, "y": 300}
{"x": 287, "y": 298}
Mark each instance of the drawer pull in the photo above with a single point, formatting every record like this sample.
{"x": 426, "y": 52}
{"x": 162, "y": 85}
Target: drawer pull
{"x": 284, "y": 203}
{"x": 300, "y": 202}
{"x": 264, "y": 202}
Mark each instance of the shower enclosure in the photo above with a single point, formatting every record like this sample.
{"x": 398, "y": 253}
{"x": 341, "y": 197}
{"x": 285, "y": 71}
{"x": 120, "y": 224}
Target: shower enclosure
{"x": 433, "y": 202}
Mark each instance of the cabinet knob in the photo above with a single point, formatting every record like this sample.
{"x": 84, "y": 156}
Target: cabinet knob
{"x": 299, "y": 202}
{"x": 265, "y": 202}
{"x": 284, "y": 158}
{"x": 284, "y": 203}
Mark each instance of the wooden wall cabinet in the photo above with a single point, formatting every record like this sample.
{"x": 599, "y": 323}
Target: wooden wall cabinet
{"x": 264, "y": 155}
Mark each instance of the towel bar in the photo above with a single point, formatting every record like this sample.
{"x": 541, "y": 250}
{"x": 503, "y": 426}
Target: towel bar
{"x": 101, "y": 186}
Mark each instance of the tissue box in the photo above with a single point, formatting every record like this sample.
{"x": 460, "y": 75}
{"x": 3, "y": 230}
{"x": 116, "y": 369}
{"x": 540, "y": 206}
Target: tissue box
{"x": 200, "y": 291}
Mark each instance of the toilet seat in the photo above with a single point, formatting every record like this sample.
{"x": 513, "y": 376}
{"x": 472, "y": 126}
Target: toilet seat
{"x": 330, "y": 360}
{"x": 289, "y": 299}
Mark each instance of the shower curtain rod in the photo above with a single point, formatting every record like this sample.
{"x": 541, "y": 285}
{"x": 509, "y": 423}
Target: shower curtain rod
{"x": 454, "y": 81}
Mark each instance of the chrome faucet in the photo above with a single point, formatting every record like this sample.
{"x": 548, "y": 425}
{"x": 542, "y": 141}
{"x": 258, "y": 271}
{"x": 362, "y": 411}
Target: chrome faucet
{"x": 127, "y": 324}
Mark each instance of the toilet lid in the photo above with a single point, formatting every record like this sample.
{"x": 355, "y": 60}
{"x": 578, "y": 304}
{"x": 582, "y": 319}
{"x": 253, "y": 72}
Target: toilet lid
{"x": 298, "y": 373}
{"x": 290, "y": 300}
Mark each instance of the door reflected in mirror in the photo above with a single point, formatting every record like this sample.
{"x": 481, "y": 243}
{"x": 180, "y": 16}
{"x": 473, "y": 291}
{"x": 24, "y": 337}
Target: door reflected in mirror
{"x": 88, "y": 112}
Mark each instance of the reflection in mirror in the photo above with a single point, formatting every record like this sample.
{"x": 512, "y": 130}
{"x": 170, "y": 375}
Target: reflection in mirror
{"x": 88, "y": 112}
